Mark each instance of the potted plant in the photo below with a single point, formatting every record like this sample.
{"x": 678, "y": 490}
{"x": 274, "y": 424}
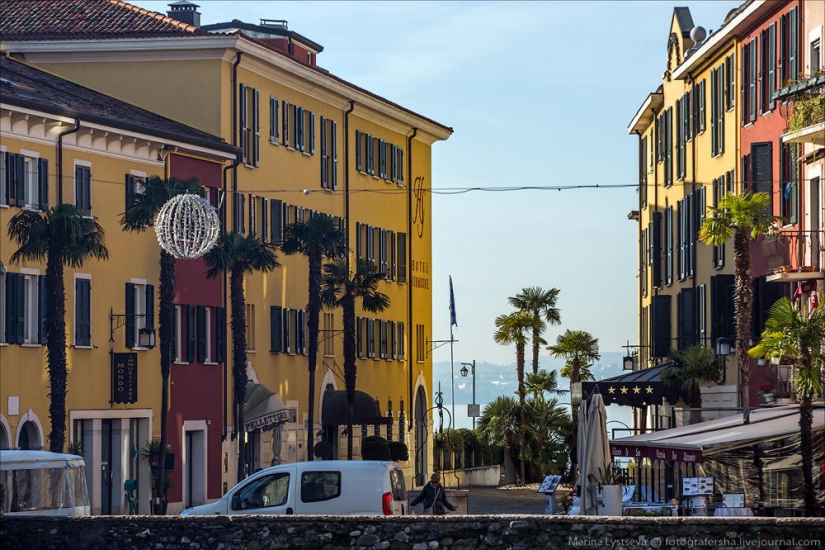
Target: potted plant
{"x": 768, "y": 393}
{"x": 151, "y": 452}
{"x": 609, "y": 495}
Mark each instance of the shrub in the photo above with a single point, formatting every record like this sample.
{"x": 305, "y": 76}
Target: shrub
{"x": 375, "y": 447}
{"x": 323, "y": 450}
{"x": 398, "y": 451}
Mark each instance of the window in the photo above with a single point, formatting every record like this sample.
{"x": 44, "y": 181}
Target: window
{"x": 669, "y": 245}
{"x": 287, "y": 333}
{"x": 285, "y": 123}
{"x": 681, "y": 137}
{"x": 329, "y": 154}
{"x": 382, "y": 252}
{"x": 303, "y": 130}
{"x": 300, "y": 332}
{"x": 789, "y": 182}
{"x": 701, "y": 313}
{"x": 276, "y": 231}
{"x": 250, "y": 327}
{"x": 250, "y": 125}
{"x": 204, "y": 334}
{"x": 25, "y": 308}
{"x": 275, "y": 330}
{"x": 730, "y": 83}
{"x": 749, "y": 79}
{"x": 25, "y": 180}
{"x": 420, "y": 344}
{"x": 717, "y": 110}
{"x": 400, "y": 340}
{"x": 771, "y": 72}
{"x": 191, "y": 335}
{"x": 140, "y": 311}
{"x": 273, "y": 120}
{"x": 82, "y": 310}
{"x": 815, "y": 55}
{"x": 240, "y": 211}
{"x": 383, "y": 350}
{"x": 793, "y": 44}
{"x": 135, "y": 185}
{"x": 397, "y": 165}
{"x": 668, "y": 145}
{"x": 643, "y": 171}
{"x": 402, "y": 257}
{"x": 359, "y": 336}
{"x": 643, "y": 267}
{"x": 319, "y": 486}
{"x": 264, "y": 492}
{"x": 177, "y": 336}
{"x": 83, "y": 188}
{"x": 371, "y": 337}
{"x": 328, "y": 335}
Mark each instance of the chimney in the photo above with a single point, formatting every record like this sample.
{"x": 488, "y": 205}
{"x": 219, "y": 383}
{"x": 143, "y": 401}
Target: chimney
{"x": 185, "y": 12}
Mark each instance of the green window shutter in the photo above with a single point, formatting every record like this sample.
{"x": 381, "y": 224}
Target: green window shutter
{"x": 200, "y": 311}
{"x": 220, "y": 335}
{"x": 273, "y": 119}
{"x": 402, "y": 257}
{"x": 285, "y": 123}
{"x": 150, "y": 306}
{"x": 762, "y": 167}
{"x": 20, "y": 180}
{"x": 324, "y": 165}
{"x": 265, "y": 219}
{"x": 41, "y": 309}
{"x": 333, "y": 136}
{"x": 793, "y": 44}
{"x": 311, "y": 133}
{"x": 359, "y": 164}
{"x": 130, "y": 191}
{"x": 285, "y": 315}
{"x": 191, "y": 334}
{"x": 275, "y": 329}
{"x": 43, "y": 183}
{"x": 15, "y": 307}
{"x": 772, "y": 63}
{"x": 243, "y": 124}
{"x": 752, "y": 52}
{"x": 130, "y": 315}
{"x": 275, "y": 214}
{"x": 256, "y": 127}
{"x": 702, "y": 93}
{"x": 794, "y": 180}
{"x": 83, "y": 336}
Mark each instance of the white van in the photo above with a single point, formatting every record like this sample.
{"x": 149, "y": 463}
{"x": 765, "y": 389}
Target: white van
{"x": 40, "y": 483}
{"x": 326, "y": 487}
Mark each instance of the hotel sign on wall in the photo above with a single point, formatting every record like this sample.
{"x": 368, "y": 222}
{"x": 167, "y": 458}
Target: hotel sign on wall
{"x": 124, "y": 377}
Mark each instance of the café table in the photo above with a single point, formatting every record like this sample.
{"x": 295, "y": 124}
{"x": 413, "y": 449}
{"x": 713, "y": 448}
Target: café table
{"x": 733, "y": 512}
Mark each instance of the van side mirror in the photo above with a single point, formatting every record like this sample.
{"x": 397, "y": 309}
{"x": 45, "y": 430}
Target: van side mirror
{"x": 236, "y": 502}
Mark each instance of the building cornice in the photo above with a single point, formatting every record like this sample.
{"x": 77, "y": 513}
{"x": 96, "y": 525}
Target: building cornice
{"x": 646, "y": 113}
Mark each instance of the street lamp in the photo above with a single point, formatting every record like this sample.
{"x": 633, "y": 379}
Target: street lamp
{"x": 473, "y": 412}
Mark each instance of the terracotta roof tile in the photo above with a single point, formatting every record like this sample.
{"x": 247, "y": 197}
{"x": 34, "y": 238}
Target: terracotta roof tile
{"x": 85, "y": 19}
{"x": 27, "y": 86}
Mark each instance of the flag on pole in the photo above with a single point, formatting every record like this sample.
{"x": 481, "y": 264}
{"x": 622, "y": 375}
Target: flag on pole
{"x": 452, "y": 304}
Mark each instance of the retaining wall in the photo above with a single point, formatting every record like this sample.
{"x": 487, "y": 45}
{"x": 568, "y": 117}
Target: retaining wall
{"x": 405, "y": 533}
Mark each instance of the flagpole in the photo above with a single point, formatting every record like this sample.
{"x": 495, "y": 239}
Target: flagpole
{"x": 452, "y": 375}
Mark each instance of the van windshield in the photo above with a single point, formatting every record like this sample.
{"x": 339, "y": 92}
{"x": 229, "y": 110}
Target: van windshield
{"x": 399, "y": 489}
{"x": 44, "y": 489}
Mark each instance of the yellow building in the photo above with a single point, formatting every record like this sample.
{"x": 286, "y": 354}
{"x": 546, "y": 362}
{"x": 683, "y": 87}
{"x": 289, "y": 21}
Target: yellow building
{"x": 60, "y": 143}
{"x": 310, "y": 141}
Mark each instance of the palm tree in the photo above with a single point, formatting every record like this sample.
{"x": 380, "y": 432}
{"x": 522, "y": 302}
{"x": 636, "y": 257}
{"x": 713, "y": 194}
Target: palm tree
{"x": 340, "y": 288}
{"x": 318, "y": 237}
{"x": 791, "y": 333}
{"x": 237, "y": 255}
{"x": 138, "y": 216}
{"x": 744, "y": 216}
{"x": 510, "y": 329}
{"x": 62, "y": 237}
{"x": 498, "y": 424}
{"x": 580, "y": 350}
{"x": 548, "y": 434}
{"x": 543, "y": 381}
{"x": 542, "y": 305}
{"x": 692, "y": 368}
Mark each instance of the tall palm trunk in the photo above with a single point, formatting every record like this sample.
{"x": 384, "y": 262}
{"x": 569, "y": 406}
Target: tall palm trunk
{"x": 55, "y": 328}
{"x": 743, "y": 298}
{"x": 536, "y": 345}
{"x": 238, "y": 305}
{"x": 806, "y": 449}
{"x": 348, "y": 307}
{"x": 313, "y": 312}
{"x": 166, "y": 320}
{"x": 520, "y": 367}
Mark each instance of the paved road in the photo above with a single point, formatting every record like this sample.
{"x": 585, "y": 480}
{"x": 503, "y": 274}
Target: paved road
{"x": 492, "y": 500}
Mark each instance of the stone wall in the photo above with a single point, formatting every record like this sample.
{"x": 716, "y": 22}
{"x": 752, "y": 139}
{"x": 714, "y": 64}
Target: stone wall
{"x": 405, "y": 533}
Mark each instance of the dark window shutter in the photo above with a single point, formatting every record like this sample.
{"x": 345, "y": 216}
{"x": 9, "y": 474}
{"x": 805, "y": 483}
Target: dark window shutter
{"x": 752, "y": 62}
{"x": 265, "y": 219}
{"x": 285, "y": 315}
{"x": 150, "y": 306}
{"x": 176, "y": 326}
{"x": 4, "y": 185}
{"x": 359, "y": 336}
{"x": 793, "y": 44}
{"x": 359, "y": 164}
{"x": 762, "y": 167}
{"x": 333, "y": 137}
{"x": 130, "y": 191}
{"x": 285, "y": 123}
{"x": 201, "y": 333}
{"x": 43, "y": 183}
{"x": 275, "y": 213}
{"x": 41, "y": 309}
{"x": 687, "y": 319}
{"x": 83, "y": 335}
{"x": 701, "y": 94}
{"x": 656, "y": 250}
{"x": 15, "y": 307}
{"x": 130, "y": 315}
{"x": 324, "y": 163}
{"x": 243, "y": 123}
{"x": 772, "y": 63}
{"x": 661, "y": 326}
{"x": 722, "y": 307}
{"x": 311, "y": 133}
{"x": 191, "y": 333}
{"x": 256, "y": 127}
{"x": 765, "y": 295}
{"x": 220, "y": 335}
{"x": 402, "y": 257}
{"x": 794, "y": 191}
{"x": 20, "y": 180}
{"x": 400, "y": 166}
{"x": 275, "y": 329}
{"x": 273, "y": 119}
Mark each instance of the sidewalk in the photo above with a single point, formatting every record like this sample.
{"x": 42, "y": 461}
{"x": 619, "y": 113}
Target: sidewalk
{"x": 494, "y": 500}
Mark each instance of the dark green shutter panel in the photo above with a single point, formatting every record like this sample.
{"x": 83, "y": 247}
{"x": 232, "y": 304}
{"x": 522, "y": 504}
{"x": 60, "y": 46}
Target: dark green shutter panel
{"x": 285, "y": 129}
{"x": 275, "y": 215}
{"x": 43, "y": 183}
{"x": 794, "y": 191}
{"x": 256, "y": 128}
{"x": 175, "y": 327}
{"x": 4, "y": 185}
{"x": 661, "y": 326}
{"x": 130, "y": 315}
{"x": 762, "y": 167}
{"x": 359, "y": 164}
{"x": 752, "y": 80}
{"x": 324, "y": 162}
{"x": 220, "y": 335}
{"x": 793, "y": 44}
{"x": 201, "y": 331}
{"x": 275, "y": 329}
{"x": 190, "y": 334}
{"x": 311, "y": 133}
{"x": 83, "y": 335}
{"x": 656, "y": 250}
{"x": 723, "y": 319}
{"x": 15, "y": 308}
{"x": 687, "y": 319}
{"x": 702, "y": 93}
{"x": 402, "y": 257}
{"x": 333, "y": 139}
{"x": 41, "y": 309}
{"x": 20, "y": 180}
{"x": 150, "y": 306}
{"x": 130, "y": 191}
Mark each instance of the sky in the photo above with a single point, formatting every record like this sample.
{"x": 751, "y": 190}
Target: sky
{"x": 540, "y": 95}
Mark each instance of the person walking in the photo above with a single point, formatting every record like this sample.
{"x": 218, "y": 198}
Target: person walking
{"x": 434, "y": 497}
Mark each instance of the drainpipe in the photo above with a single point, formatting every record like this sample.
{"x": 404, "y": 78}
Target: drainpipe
{"x": 346, "y": 179}
{"x": 409, "y": 331}
{"x": 60, "y": 158}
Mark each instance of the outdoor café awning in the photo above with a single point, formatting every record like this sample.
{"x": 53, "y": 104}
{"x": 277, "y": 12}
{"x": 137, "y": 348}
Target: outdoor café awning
{"x": 335, "y": 409}
{"x": 262, "y": 408}
{"x": 636, "y": 388}
{"x": 694, "y": 442}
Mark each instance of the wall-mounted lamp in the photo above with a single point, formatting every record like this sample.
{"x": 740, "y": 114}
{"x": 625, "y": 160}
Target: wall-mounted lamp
{"x": 146, "y": 337}
{"x": 631, "y": 362}
{"x": 723, "y": 346}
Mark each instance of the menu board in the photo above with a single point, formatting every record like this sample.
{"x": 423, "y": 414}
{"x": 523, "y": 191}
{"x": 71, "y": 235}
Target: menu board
{"x": 733, "y": 500}
{"x": 549, "y": 484}
{"x": 697, "y": 486}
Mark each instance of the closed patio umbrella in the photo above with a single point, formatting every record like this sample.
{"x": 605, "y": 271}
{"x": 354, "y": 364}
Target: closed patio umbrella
{"x": 581, "y": 453}
{"x": 597, "y": 448}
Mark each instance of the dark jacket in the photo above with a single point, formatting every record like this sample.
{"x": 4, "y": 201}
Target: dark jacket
{"x": 434, "y": 498}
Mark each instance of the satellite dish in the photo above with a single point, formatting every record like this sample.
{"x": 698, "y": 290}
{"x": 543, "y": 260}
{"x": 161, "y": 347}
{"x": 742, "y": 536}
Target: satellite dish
{"x": 698, "y": 34}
